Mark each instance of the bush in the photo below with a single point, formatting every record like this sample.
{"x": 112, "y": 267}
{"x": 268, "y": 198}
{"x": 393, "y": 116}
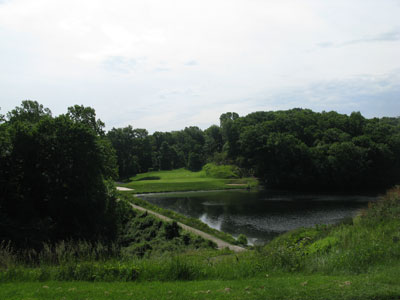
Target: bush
{"x": 222, "y": 171}
{"x": 171, "y": 230}
{"x": 242, "y": 239}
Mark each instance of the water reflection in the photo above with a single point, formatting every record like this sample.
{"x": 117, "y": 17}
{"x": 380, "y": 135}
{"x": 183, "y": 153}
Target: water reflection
{"x": 261, "y": 215}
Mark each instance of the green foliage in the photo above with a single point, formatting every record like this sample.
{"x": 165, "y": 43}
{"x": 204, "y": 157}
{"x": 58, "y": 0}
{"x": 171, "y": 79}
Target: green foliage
{"x": 195, "y": 223}
{"x": 322, "y": 245}
{"x": 242, "y": 239}
{"x": 221, "y": 171}
{"x": 302, "y": 149}
{"x": 297, "y": 149}
{"x": 195, "y": 162}
{"x": 87, "y": 116}
{"x": 353, "y": 247}
{"x": 145, "y": 236}
{"x": 30, "y": 112}
{"x": 53, "y": 176}
{"x": 133, "y": 150}
{"x": 82, "y": 271}
{"x": 166, "y": 156}
{"x": 95, "y": 271}
{"x": 171, "y": 230}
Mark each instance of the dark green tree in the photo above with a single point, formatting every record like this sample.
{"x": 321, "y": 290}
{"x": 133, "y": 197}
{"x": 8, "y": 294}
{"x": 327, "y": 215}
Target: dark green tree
{"x": 29, "y": 112}
{"x": 54, "y": 174}
{"x": 166, "y": 157}
{"x": 195, "y": 161}
{"x": 123, "y": 141}
{"x": 87, "y": 116}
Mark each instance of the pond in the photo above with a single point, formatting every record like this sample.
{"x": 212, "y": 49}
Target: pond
{"x": 261, "y": 215}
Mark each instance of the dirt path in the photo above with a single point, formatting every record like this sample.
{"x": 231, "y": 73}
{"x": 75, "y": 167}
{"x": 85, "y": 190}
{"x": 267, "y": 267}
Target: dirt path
{"x": 220, "y": 243}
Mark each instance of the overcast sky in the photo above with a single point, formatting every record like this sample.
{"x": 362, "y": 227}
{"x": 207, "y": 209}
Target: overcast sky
{"x": 163, "y": 65}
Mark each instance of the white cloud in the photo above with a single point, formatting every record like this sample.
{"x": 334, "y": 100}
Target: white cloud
{"x": 126, "y": 58}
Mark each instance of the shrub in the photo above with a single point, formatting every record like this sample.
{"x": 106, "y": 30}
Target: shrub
{"x": 171, "y": 230}
{"x": 222, "y": 171}
{"x": 242, "y": 239}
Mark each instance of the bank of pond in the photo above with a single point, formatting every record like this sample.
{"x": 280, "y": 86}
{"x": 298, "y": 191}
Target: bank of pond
{"x": 262, "y": 214}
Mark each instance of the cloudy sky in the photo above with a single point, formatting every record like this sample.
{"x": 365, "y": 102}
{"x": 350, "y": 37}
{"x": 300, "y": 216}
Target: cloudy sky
{"x": 167, "y": 64}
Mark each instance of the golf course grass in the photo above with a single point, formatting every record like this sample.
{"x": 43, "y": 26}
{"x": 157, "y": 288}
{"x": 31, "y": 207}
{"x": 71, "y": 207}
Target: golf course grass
{"x": 184, "y": 180}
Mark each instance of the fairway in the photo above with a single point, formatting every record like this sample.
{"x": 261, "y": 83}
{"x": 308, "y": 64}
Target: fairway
{"x": 183, "y": 180}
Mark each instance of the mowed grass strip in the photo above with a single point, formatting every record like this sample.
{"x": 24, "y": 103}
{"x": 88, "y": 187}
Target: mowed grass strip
{"x": 383, "y": 285}
{"x": 183, "y": 180}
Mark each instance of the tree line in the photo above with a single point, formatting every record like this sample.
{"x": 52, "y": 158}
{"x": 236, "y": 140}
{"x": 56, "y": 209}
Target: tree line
{"x": 296, "y": 148}
{"x": 57, "y": 172}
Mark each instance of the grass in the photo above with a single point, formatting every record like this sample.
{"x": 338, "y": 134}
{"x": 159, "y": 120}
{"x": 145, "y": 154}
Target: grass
{"x": 184, "y": 180}
{"x": 379, "y": 285}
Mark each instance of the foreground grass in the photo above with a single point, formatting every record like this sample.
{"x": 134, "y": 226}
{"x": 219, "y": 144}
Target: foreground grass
{"x": 183, "y": 180}
{"x": 383, "y": 284}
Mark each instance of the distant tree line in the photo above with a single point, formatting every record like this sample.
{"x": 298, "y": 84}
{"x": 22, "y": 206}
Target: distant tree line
{"x": 298, "y": 149}
{"x": 191, "y": 148}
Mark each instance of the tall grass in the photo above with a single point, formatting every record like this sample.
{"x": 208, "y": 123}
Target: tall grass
{"x": 371, "y": 239}
{"x": 8, "y": 257}
{"x": 59, "y": 253}
{"x": 86, "y": 262}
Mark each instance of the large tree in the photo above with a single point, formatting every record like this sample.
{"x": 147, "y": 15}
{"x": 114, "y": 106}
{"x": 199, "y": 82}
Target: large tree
{"x": 53, "y": 176}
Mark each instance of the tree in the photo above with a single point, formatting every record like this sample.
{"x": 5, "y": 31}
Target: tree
{"x": 302, "y": 149}
{"x": 87, "y": 116}
{"x": 142, "y": 149}
{"x": 166, "y": 156}
{"x": 122, "y": 139}
{"x": 29, "y": 111}
{"x": 230, "y": 133}
{"x": 2, "y": 118}
{"x": 213, "y": 140}
{"x": 195, "y": 161}
{"x": 55, "y": 173}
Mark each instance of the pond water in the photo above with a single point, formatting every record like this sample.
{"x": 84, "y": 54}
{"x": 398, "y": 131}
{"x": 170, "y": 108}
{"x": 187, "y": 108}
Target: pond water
{"x": 261, "y": 215}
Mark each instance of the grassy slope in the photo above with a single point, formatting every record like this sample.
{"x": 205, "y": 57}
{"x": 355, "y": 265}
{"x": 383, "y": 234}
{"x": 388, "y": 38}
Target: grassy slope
{"x": 183, "y": 180}
{"x": 195, "y": 223}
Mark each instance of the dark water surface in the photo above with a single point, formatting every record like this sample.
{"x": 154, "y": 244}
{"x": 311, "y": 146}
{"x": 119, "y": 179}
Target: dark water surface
{"x": 261, "y": 215}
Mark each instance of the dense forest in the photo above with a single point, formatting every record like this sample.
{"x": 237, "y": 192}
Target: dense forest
{"x": 297, "y": 148}
{"x": 57, "y": 173}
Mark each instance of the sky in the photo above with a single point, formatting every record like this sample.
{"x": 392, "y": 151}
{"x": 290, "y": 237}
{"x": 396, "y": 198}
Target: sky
{"x": 167, "y": 64}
